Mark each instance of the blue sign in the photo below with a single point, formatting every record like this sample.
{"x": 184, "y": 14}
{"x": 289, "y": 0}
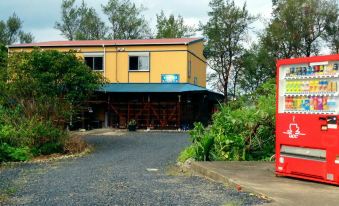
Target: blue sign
{"x": 170, "y": 78}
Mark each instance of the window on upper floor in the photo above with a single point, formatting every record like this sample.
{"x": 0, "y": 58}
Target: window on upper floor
{"x": 95, "y": 61}
{"x": 138, "y": 61}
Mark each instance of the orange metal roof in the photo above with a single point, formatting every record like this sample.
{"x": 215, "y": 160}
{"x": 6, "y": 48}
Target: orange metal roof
{"x": 174, "y": 41}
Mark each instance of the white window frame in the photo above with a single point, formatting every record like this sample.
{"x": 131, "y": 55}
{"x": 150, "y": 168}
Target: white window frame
{"x": 98, "y": 54}
{"x": 139, "y": 54}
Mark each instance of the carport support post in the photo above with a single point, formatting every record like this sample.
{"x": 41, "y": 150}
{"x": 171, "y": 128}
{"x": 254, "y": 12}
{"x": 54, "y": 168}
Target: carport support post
{"x": 149, "y": 110}
{"x": 179, "y": 111}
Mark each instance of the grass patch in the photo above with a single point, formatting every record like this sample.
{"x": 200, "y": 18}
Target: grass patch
{"x": 4, "y": 199}
{"x": 234, "y": 203}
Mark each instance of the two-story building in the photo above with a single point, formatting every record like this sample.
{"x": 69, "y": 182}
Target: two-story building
{"x": 160, "y": 83}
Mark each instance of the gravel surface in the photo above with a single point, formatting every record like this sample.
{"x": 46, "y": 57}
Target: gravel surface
{"x": 117, "y": 173}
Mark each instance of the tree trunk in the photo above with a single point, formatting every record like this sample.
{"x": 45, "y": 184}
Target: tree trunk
{"x": 226, "y": 92}
{"x": 235, "y": 83}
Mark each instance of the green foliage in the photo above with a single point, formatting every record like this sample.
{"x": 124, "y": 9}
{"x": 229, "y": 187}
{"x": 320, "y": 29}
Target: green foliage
{"x": 226, "y": 32}
{"x": 187, "y": 153}
{"x": 11, "y": 31}
{"x": 39, "y": 91}
{"x": 132, "y": 122}
{"x": 298, "y": 25}
{"x": 69, "y": 19}
{"x": 172, "y": 27}
{"x": 332, "y": 32}
{"x": 90, "y": 25}
{"x": 257, "y": 66}
{"x": 126, "y": 20}
{"x": 22, "y": 138}
{"x": 48, "y": 84}
{"x": 80, "y": 22}
{"x": 8, "y": 153}
{"x": 242, "y": 130}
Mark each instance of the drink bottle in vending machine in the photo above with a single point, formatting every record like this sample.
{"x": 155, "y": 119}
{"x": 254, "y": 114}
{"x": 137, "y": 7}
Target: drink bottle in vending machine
{"x": 307, "y": 112}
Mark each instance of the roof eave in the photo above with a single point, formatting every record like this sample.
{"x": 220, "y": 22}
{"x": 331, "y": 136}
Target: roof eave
{"x": 91, "y": 45}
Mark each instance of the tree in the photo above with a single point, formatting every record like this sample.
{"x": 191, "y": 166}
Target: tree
{"x": 225, "y": 31}
{"x": 69, "y": 19}
{"x": 332, "y": 33}
{"x": 126, "y": 20}
{"x": 80, "y": 23}
{"x": 172, "y": 27}
{"x": 257, "y": 66}
{"x": 91, "y": 27}
{"x": 11, "y": 31}
{"x": 297, "y": 26}
{"x": 26, "y": 37}
{"x": 48, "y": 84}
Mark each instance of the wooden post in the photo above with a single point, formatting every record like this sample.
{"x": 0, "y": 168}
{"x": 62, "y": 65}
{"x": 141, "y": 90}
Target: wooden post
{"x": 128, "y": 111}
{"x": 149, "y": 111}
{"x": 179, "y": 111}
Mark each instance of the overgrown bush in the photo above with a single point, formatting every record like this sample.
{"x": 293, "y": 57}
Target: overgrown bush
{"x": 22, "y": 138}
{"x": 9, "y": 153}
{"x": 40, "y": 92}
{"x": 242, "y": 130}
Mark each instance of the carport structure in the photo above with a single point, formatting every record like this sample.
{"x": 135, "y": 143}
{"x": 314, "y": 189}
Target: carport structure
{"x": 153, "y": 105}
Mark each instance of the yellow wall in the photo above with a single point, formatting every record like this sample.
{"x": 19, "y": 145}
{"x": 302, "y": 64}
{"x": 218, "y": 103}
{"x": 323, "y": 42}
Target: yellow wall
{"x": 198, "y": 64}
{"x": 164, "y": 59}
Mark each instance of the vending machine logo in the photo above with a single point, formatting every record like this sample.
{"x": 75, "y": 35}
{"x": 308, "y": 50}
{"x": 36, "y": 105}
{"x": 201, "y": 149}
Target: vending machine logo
{"x": 293, "y": 130}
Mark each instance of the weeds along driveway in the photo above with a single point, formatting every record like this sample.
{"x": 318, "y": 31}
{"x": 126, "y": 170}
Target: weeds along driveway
{"x": 116, "y": 174}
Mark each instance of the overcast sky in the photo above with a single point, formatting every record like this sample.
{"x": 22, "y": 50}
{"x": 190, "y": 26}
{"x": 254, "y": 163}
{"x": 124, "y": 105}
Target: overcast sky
{"x": 39, "y": 16}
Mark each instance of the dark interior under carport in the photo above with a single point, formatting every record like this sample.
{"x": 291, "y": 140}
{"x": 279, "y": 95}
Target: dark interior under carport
{"x": 152, "y": 109}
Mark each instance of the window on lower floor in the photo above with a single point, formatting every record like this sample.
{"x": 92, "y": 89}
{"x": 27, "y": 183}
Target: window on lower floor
{"x": 95, "y": 63}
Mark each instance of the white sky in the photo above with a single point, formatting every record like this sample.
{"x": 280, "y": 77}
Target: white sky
{"x": 39, "y": 16}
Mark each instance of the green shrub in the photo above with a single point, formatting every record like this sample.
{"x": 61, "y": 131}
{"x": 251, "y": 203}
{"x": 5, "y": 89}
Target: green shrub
{"x": 241, "y": 130}
{"x": 8, "y": 153}
{"x": 21, "y": 137}
{"x": 186, "y": 154}
{"x": 50, "y": 148}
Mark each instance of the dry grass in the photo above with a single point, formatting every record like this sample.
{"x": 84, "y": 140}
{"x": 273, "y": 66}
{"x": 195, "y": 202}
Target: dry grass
{"x": 75, "y": 145}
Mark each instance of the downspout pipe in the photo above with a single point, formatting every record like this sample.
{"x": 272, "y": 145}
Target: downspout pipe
{"x": 116, "y": 63}
{"x": 103, "y": 46}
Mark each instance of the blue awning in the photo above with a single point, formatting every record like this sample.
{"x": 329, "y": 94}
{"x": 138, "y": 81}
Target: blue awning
{"x": 151, "y": 88}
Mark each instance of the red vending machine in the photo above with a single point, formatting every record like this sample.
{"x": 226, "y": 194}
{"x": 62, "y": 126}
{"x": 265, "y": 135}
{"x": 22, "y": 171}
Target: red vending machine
{"x": 307, "y": 131}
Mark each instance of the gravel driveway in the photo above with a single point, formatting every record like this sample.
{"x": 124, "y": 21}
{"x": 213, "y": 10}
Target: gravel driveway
{"x": 116, "y": 174}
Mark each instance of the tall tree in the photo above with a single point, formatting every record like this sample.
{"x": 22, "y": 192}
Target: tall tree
{"x": 26, "y": 37}
{"x": 257, "y": 66}
{"x": 11, "y": 31}
{"x": 80, "y": 22}
{"x": 172, "y": 27}
{"x": 126, "y": 20}
{"x": 69, "y": 23}
{"x": 90, "y": 25}
{"x": 298, "y": 25}
{"x": 225, "y": 31}
{"x": 332, "y": 32}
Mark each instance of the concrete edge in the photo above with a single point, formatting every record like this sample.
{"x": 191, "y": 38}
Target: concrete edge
{"x": 213, "y": 175}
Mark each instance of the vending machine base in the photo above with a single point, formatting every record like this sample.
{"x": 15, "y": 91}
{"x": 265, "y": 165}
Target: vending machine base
{"x": 306, "y": 177}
